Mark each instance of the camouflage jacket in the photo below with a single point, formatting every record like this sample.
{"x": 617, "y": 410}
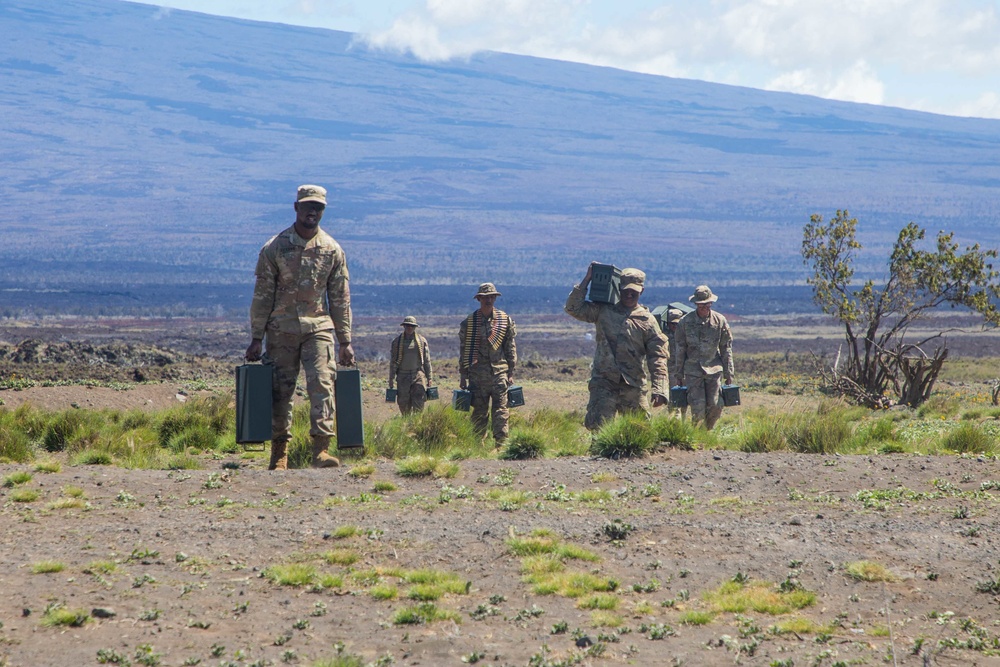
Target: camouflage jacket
{"x": 674, "y": 365}
{"x": 704, "y": 346}
{"x": 302, "y": 287}
{"x": 396, "y": 351}
{"x": 499, "y": 359}
{"x": 624, "y": 340}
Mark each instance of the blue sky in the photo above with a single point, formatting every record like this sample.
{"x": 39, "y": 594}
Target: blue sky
{"x": 941, "y": 56}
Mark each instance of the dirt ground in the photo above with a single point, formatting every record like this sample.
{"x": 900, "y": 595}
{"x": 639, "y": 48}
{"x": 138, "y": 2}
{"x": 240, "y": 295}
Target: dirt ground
{"x": 172, "y": 567}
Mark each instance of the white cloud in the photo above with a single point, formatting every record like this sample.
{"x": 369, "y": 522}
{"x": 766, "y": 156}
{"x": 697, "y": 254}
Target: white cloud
{"x": 875, "y": 51}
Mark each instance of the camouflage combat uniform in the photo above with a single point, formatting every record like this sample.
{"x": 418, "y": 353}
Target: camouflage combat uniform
{"x": 302, "y": 298}
{"x": 624, "y": 340}
{"x": 704, "y": 357}
{"x": 410, "y": 371}
{"x": 485, "y": 366}
{"x": 674, "y": 365}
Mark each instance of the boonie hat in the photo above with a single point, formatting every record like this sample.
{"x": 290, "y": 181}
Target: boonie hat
{"x": 487, "y": 289}
{"x": 632, "y": 279}
{"x": 674, "y": 315}
{"x": 311, "y": 193}
{"x": 409, "y": 321}
{"x": 703, "y": 294}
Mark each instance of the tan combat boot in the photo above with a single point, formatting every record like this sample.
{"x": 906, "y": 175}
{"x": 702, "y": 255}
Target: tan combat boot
{"x": 279, "y": 455}
{"x": 321, "y": 459}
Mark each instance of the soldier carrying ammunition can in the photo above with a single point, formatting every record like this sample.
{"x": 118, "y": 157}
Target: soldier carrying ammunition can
{"x": 301, "y": 300}
{"x": 705, "y": 357}
{"x": 410, "y": 367}
{"x": 629, "y": 341}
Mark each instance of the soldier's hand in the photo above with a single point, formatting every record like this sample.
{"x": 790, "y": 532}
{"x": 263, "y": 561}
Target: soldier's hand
{"x": 659, "y": 400}
{"x": 463, "y": 383}
{"x": 253, "y": 351}
{"x": 730, "y": 380}
{"x": 510, "y": 380}
{"x": 590, "y": 274}
{"x": 346, "y": 355}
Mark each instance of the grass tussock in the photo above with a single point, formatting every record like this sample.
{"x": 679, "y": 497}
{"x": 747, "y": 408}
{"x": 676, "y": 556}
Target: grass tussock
{"x": 292, "y": 574}
{"x": 761, "y": 597}
{"x": 426, "y": 612}
{"x": 422, "y": 465}
{"x": 866, "y": 570}
{"x": 969, "y": 438}
{"x": 524, "y": 443}
{"x": 624, "y": 436}
{"x": 47, "y": 567}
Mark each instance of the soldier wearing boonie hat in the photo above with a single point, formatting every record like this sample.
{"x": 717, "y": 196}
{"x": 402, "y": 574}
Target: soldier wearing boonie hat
{"x": 301, "y": 301}
{"x": 486, "y": 360}
{"x": 704, "y": 357}
{"x": 629, "y": 342}
{"x": 410, "y": 367}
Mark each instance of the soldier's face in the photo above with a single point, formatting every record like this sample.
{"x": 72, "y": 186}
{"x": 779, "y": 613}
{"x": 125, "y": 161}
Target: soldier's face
{"x": 409, "y": 330}
{"x": 309, "y": 213}
{"x": 486, "y": 303}
{"x": 703, "y": 309}
{"x": 630, "y": 298}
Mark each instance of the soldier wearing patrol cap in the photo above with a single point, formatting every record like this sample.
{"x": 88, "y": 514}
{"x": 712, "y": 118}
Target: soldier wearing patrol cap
{"x": 410, "y": 367}
{"x": 486, "y": 360}
{"x": 705, "y": 357}
{"x": 627, "y": 336}
{"x": 301, "y": 301}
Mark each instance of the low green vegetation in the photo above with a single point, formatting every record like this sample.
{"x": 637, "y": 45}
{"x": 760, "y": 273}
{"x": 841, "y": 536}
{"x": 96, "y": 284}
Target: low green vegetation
{"x": 432, "y": 442}
{"x": 741, "y": 595}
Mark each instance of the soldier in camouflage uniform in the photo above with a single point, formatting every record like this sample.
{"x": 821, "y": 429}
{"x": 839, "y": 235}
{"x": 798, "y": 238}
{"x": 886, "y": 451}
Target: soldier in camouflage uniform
{"x": 486, "y": 360}
{"x": 301, "y": 300}
{"x": 673, "y": 366}
{"x": 705, "y": 357}
{"x": 627, "y": 335}
{"x": 410, "y": 367}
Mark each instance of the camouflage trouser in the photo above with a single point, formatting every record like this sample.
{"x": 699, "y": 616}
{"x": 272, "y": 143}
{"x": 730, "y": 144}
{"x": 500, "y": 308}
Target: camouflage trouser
{"x": 411, "y": 391}
{"x": 705, "y": 398}
{"x": 315, "y": 353}
{"x": 484, "y": 387}
{"x": 610, "y": 398}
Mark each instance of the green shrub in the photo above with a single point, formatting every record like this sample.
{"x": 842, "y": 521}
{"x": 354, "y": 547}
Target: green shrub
{"x": 624, "y": 436}
{"x": 439, "y": 429}
{"x": 939, "y": 405}
{"x": 524, "y": 443}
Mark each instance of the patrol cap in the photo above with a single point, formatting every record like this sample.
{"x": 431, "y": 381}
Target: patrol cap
{"x": 311, "y": 193}
{"x": 703, "y": 294}
{"x": 487, "y": 289}
{"x": 633, "y": 279}
{"x": 674, "y": 315}
{"x": 409, "y": 321}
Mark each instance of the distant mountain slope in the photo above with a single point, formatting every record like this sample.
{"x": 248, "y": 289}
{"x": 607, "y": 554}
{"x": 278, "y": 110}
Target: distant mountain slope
{"x": 144, "y": 146}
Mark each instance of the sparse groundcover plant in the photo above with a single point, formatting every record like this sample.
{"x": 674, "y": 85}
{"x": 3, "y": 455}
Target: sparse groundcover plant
{"x": 524, "y": 443}
{"x": 968, "y": 439}
{"x": 422, "y": 465}
{"x": 740, "y": 597}
{"x": 100, "y": 567}
{"x": 67, "y": 503}
{"x": 57, "y": 615}
{"x": 384, "y": 592}
{"x": 47, "y": 567}
{"x": 343, "y": 532}
{"x": 342, "y": 660}
{"x": 362, "y": 471}
{"x": 92, "y": 457}
{"x": 800, "y": 626}
{"x": 342, "y": 557}
{"x": 425, "y": 612}
{"x": 624, "y": 436}
{"x": 604, "y": 601}
{"x": 17, "y": 478}
{"x": 695, "y": 617}
{"x": 48, "y": 466}
{"x": 292, "y": 574}
{"x": 866, "y": 570}
{"x": 23, "y": 495}
{"x": 384, "y": 486}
